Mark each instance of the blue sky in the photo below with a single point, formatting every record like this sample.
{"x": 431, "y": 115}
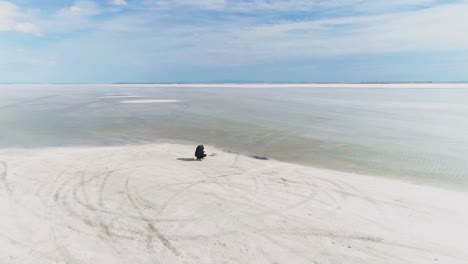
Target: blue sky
{"x": 218, "y": 40}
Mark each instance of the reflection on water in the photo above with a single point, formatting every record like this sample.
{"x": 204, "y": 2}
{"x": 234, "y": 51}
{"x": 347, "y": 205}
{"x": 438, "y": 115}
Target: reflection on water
{"x": 418, "y": 134}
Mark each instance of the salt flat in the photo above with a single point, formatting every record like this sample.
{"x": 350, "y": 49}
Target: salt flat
{"x": 120, "y": 96}
{"x": 154, "y": 204}
{"x": 149, "y": 101}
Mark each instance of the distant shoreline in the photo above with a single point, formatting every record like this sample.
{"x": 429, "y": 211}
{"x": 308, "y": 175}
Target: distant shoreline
{"x": 425, "y": 85}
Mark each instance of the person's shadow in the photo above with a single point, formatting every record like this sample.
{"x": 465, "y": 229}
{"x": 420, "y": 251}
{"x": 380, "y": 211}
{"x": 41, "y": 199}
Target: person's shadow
{"x": 187, "y": 159}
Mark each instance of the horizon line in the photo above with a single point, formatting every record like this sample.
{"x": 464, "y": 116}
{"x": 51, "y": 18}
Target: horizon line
{"x": 225, "y": 82}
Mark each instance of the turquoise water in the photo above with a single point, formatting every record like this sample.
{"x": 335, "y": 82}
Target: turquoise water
{"x": 420, "y": 135}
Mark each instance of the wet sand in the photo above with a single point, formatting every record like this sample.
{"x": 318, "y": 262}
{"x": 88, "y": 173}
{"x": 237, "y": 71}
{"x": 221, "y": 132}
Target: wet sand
{"x": 410, "y": 134}
{"x": 155, "y": 204}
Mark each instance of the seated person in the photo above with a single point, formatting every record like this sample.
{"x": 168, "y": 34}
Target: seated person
{"x": 200, "y": 152}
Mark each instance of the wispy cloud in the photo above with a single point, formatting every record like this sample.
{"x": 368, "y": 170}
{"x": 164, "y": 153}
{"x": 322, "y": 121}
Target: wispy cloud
{"x": 80, "y": 8}
{"x": 228, "y": 40}
{"x": 368, "y": 6}
{"x": 142, "y": 38}
{"x": 14, "y": 19}
{"x": 118, "y": 2}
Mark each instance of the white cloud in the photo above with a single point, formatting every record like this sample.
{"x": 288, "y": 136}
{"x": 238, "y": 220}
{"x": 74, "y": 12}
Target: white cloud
{"x": 369, "y": 6}
{"x": 437, "y": 29}
{"x": 79, "y": 15}
{"x": 313, "y": 5}
{"x": 239, "y": 41}
{"x": 80, "y": 8}
{"x": 16, "y": 20}
{"x": 27, "y": 28}
{"x": 118, "y": 2}
{"x": 206, "y": 4}
{"x": 145, "y": 39}
{"x": 180, "y": 5}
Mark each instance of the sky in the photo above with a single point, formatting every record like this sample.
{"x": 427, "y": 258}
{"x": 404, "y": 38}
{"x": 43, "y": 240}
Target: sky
{"x": 108, "y": 41}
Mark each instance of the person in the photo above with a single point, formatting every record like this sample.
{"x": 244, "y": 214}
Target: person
{"x": 200, "y": 152}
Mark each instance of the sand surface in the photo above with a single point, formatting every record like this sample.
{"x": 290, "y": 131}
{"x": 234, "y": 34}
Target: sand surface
{"x": 154, "y": 204}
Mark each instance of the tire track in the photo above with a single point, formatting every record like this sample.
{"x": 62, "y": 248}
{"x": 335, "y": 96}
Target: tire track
{"x": 151, "y": 228}
{"x": 3, "y": 177}
{"x": 180, "y": 192}
{"x": 9, "y": 189}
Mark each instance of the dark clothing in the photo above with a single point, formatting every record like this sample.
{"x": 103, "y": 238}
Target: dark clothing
{"x": 200, "y": 152}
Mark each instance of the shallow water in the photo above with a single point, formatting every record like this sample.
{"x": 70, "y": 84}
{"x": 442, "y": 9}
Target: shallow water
{"x": 417, "y": 134}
